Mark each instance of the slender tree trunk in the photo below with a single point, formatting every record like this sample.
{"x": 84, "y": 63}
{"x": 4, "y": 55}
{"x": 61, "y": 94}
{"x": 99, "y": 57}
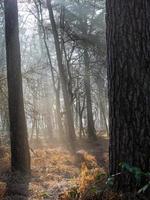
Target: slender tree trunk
{"x": 90, "y": 121}
{"x": 20, "y": 157}
{"x": 56, "y": 89}
{"x": 63, "y": 78}
{"x": 128, "y": 47}
{"x": 103, "y": 115}
{"x": 80, "y": 112}
{"x": 49, "y": 126}
{"x": 32, "y": 130}
{"x": 59, "y": 120}
{"x": 37, "y": 129}
{"x": 81, "y": 125}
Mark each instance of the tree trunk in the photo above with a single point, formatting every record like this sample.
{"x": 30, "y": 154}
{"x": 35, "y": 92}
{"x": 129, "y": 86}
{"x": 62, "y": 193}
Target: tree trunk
{"x": 128, "y": 48}
{"x": 58, "y": 115}
{"x": 63, "y": 78}
{"x": 103, "y": 114}
{"x": 49, "y": 126}
{"x": 20, "y": 157}
{"x": 56, "y": 89}
{"x": 90, "y": 121}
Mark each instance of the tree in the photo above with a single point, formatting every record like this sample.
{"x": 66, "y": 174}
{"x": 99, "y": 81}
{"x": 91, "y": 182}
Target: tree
{"x": 55, "y": 83}
{"x": 20, "y": 156}
{"x": 82, "y": 25}
{"x": 90, "y": 122}
{"x": 63, "y": 79}
{"x": 128, "y": 35}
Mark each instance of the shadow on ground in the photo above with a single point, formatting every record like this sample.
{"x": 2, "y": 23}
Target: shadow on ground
{"x": 17, "y": 187}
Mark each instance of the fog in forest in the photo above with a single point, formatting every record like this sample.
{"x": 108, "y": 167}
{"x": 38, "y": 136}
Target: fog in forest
{"x": 74, "y": 100}
{"x": 40, "y": 73}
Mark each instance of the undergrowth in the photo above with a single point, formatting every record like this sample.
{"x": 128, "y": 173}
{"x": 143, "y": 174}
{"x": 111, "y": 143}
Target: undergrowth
{"x": 91, "y": 184}
{"x": 94, "y": 184}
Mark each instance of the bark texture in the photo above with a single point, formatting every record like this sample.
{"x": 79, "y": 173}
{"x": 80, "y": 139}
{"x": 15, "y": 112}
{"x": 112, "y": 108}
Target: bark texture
{"x": 20, "y": 157}
{"x": 128, "y": 47}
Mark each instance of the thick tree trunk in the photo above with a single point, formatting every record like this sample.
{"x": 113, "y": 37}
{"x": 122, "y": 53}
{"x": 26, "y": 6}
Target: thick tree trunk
{"x": 128, "y": 47}
{"x": 20, "y": 157}
{"x": 66, "y": 96}
{"x": 90, "y": 121}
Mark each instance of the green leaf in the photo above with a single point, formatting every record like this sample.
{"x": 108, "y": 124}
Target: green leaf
{"x": 110, "y": 181}
{"x": 127, "y": 167}
{"x": 135, "y": 171}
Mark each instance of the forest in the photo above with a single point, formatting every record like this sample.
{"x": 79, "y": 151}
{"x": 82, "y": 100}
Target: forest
{"x": 74, "y": 100}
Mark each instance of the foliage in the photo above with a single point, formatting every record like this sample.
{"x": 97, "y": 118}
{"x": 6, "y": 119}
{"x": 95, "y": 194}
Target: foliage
{"x": 110, "y": 181}
{"x": 139, "y": 175}
{"x": 91, "y": 182}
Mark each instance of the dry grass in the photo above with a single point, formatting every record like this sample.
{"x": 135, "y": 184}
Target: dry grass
{"x": 4, "y": 158}
{"x": 54, "y": 172}
{"x": 90, "y": 176}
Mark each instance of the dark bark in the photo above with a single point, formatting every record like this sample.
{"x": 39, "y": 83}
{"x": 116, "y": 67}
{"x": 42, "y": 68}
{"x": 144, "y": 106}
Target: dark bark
{"x": 63, "y": 78}
{"x": 128, "y": 48}
{"x": 90, "y": 121}
{"x": 20, "y": 157}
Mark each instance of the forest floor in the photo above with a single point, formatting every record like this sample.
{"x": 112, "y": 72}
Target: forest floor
{"x": 54, "y": 171}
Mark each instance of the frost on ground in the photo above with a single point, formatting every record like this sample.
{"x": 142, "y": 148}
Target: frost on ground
{"x": 54, "y": 171}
